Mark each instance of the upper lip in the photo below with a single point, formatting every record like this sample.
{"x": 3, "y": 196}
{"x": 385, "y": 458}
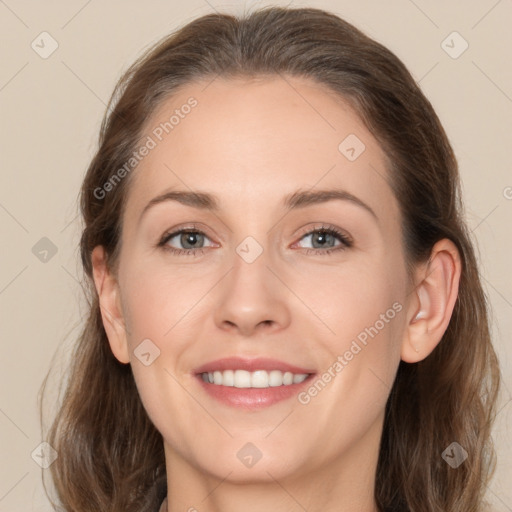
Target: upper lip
{"x": 250, "y": 365}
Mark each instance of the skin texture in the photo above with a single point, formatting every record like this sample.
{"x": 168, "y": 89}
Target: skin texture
{"x": 251, "y": 143}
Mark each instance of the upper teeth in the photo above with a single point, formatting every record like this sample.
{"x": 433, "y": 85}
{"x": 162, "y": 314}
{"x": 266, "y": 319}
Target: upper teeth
{"x": 257, "y": 379}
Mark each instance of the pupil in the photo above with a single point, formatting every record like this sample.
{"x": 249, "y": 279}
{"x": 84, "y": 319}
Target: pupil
{"x": 322, "y": 237}
{"x": 190, "y": 238}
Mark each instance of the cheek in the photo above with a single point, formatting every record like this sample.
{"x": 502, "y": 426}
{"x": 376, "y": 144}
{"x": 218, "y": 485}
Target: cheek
{"x": 356, "y": 297}
{"x": 169, "y": 408}
{"x": 157, "y": 313}
{"x": 155, "y": 303}
{"x": 364, "y": 311}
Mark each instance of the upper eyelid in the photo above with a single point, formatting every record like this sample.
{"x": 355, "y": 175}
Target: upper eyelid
{"x": 339, "y": 233}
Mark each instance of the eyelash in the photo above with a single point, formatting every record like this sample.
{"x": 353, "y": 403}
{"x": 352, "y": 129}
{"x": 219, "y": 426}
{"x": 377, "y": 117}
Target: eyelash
{"x": 346, "y": 242}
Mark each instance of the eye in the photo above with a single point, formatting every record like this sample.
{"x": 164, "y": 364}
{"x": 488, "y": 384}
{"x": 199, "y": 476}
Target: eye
{"x": 323, "y": 238}
{"x": 191, "y": 240}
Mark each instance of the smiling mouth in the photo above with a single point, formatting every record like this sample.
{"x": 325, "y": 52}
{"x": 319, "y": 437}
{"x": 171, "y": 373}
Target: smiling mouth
{"x": 257, "y": 379}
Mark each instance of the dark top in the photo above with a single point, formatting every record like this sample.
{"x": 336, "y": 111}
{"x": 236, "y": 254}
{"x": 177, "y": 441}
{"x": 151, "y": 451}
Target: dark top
{"x": 157, "y": 495}
{"x": 160, "y": 491}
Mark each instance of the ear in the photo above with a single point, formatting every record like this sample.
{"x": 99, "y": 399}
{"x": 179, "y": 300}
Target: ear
{"x": 430, "y": 311}
{"x": 110, "y": 305}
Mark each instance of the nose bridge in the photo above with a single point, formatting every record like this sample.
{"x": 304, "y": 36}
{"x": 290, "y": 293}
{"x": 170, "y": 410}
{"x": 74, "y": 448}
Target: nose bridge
{"x": 250, "y": 249}
{"x": 250, "y": 274}
{"x": 250, "y": 294}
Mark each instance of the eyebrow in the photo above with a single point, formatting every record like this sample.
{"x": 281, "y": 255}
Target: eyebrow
{"x": 296, "y": 200}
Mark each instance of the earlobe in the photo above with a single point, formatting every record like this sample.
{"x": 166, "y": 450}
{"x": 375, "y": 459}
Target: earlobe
{"x": 110, "y": 306}
{"x": 436, "y": 294}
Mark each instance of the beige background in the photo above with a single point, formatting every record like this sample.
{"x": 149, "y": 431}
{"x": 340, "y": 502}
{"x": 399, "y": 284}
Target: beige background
{"x": 51, "y": 111}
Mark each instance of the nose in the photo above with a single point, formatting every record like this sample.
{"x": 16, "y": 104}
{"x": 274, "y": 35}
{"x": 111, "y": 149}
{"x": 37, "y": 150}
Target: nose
{"x": 252, "y": 298}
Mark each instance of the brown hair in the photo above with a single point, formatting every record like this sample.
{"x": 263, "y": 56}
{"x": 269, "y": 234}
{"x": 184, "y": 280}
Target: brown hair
{"x": 109, "y": 452}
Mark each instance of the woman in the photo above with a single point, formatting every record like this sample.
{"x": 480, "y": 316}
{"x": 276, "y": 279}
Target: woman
{"x": 286, "y": 310}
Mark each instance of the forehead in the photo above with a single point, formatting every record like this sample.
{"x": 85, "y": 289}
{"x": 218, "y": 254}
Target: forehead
{"x": 254, "y": 141}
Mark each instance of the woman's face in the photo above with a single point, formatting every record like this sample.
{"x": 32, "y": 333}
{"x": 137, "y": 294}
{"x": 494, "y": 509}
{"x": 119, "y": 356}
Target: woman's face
{"x": 264, "y": 281}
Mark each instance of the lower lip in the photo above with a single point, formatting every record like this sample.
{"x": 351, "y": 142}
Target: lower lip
{"x": 252, "y": 398}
